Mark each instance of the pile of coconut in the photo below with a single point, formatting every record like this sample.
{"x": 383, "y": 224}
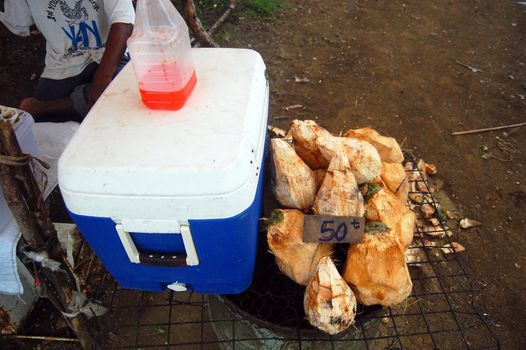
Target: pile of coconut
{"x": 360, "y": 174}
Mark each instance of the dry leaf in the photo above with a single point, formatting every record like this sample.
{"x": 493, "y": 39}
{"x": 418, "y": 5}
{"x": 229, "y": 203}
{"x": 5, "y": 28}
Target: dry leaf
{"x": 427, "y": 210}
{"x": 468, "y": 223}
{"x": 414, "y": 255}
{"x": 433, "y": 232}
{"x": 277, "y": 131}
{"x": 430, "y": 169}
{"x": 452, "y": 247}
{"x": 428, "y": 243}
{"x": 301, "y": 80}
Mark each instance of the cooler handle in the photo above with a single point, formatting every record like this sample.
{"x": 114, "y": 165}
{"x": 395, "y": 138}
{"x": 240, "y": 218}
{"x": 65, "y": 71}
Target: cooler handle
{"x": 160, "y": 259}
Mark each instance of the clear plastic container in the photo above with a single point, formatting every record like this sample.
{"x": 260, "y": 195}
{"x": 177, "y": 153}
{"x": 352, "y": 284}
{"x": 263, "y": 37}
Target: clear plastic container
{"x": 160, "y": 53}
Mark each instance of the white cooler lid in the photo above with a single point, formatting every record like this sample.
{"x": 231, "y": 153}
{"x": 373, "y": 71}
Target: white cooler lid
{"x": 202, "y": 161}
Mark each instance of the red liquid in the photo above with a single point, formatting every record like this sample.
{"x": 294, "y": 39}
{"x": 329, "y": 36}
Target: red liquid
{"x": 169, "y": 100}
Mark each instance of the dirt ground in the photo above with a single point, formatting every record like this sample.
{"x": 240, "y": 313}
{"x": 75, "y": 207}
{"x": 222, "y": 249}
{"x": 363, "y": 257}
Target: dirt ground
{"x": 399, "y": 67}
{"x": 393, "y": 65}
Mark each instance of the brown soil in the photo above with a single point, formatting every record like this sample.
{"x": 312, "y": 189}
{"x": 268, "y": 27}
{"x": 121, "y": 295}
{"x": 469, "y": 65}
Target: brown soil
{"x": 393, "y": 66}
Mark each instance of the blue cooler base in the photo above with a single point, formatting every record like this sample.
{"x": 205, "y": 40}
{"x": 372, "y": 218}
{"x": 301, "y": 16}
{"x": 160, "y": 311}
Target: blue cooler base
{"x": 226, "y": 250}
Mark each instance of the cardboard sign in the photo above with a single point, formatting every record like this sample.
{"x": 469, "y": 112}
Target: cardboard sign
{"x": 333, "y": 229}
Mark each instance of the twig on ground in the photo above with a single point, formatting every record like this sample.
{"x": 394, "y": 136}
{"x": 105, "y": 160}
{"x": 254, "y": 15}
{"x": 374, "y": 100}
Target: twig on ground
{"x": 473, "y": 69}
{"x": 474, "y": 131}
{"x": 288, "y": 108}
{"x": 513, "y": 131}
{"x": 491, "y": 155}
{"x": 40, "y": 337}
{"x": 402, "y": 144}
{"x": 507, "y": 147}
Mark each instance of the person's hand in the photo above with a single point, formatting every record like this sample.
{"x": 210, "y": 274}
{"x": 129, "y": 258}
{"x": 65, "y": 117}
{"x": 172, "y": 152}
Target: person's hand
{"x": 31, "y": 105}
{"x": 96, "y": 89}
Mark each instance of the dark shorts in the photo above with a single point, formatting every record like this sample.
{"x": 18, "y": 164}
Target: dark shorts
{"x": 76, "y": 88}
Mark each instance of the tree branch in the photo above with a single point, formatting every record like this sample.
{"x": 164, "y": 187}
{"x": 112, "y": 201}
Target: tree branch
{"x": 194, "y": 23}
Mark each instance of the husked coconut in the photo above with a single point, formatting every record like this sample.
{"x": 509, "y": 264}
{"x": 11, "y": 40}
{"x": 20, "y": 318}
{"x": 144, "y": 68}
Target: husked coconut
{"x": 403, "y": 191}
{"x": 363, "y": 158}
{"x": 339, "y": 194}
{"x": 294, "y": 185}
{"x": 393, "y": 175}
{"x": 329, "y": 303}
{"x": 304, "y": 134}
{"x": 394, "y": 178}
{"x": 385, "y": 207}
{"x": 376, "y": 270}
{"x": 295, "y": 258}
{"x": 319, "y": 176}
{"x": 405, "y": 228}
{"x": 388, "y": 148}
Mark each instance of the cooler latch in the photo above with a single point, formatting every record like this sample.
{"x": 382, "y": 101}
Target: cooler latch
{"x": 189, "y": 258}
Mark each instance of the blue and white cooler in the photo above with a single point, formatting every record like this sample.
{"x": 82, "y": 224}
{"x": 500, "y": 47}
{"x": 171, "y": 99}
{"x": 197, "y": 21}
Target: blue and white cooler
{"x": 171, "y": 199}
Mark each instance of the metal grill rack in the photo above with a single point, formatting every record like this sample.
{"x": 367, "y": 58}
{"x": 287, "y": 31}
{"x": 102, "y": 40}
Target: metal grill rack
{"x": 439, "y": 314}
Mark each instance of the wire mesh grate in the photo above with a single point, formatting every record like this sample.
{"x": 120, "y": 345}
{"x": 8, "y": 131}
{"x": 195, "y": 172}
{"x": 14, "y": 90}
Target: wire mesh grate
{"x": 440, "y": 312}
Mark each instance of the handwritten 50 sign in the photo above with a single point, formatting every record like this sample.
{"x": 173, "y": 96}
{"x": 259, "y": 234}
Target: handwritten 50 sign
{"x": 333, "y": 229}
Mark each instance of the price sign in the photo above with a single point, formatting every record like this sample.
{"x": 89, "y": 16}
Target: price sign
{"x": 333, "y": 229}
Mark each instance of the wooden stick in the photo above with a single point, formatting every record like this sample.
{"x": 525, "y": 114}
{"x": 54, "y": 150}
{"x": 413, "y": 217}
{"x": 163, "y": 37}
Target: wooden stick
{"x": 12, "y": 189}
{"x": 190, "y": 15}
{"x": 474, "y": 131}
{"x": 40, "y": 337}
{"x": 29, "y": 185}
{"x": 23, "y": 197}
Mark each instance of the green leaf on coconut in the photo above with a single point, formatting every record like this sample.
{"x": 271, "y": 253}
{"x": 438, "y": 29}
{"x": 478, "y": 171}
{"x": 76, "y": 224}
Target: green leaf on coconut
{"x": 375, "y": 227}
{"x": 372, "y": 189}
{"x": 441, "y": 215}
{"x": 276, "y": 217}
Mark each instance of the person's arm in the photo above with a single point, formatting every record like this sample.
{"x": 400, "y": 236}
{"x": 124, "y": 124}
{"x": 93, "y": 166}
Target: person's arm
{"x": 15, "y": 17}
{"x": 4, "y": 32}
{"x": 115, "y": 48}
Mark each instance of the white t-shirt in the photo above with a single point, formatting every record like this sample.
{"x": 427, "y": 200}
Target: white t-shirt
{"x": 75, "y": 30}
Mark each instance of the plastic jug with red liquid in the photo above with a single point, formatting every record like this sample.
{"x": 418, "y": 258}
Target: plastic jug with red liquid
{"x": 160, "y": 53}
